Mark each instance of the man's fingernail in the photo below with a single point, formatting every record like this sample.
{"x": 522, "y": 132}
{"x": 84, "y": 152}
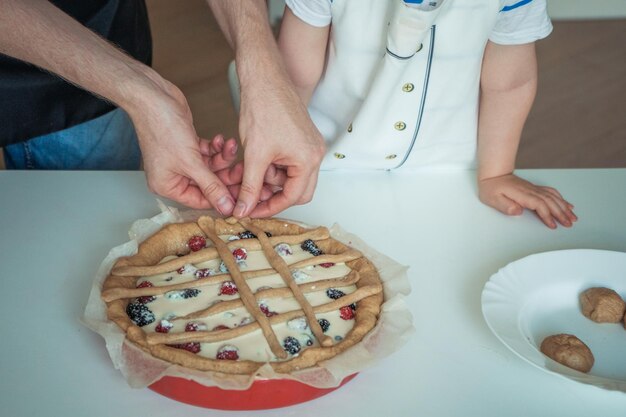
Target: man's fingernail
{"x": 225, "y": 205}
{"x": 240, "y": 210}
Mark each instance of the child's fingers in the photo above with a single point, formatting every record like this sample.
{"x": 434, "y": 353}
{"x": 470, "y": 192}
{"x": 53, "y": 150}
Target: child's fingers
{"x": 225, "y": 158}
{"x": 505, "y": 205}
{"x": 566, "y": 205}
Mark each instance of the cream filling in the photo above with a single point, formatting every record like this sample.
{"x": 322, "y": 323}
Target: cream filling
{"x": 251, "y": 346}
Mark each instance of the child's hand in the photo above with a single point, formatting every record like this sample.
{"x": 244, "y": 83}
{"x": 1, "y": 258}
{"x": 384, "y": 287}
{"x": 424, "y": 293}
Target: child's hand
{"x": 218, "y": 153}
{"x": 511, "y": 195}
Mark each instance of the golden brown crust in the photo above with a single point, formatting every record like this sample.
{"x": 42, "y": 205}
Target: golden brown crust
{"x": 119, "y": 289}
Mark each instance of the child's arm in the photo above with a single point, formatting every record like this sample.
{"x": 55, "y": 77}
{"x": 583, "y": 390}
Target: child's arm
{"x": 508, "y": 86}
{"x": 303, "y": 48}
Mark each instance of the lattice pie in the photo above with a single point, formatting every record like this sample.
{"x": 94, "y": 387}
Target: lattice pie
{"x": 230, "y": 296}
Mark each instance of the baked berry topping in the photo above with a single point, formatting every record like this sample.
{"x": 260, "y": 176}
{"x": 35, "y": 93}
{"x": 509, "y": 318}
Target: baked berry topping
{"x": 327, "y": 264}
{"x": 140, "y": 314}
{"x": 228, "y": 352}
{"x": 299, "y": 323}
{"x": 204, "y": 272}
{"x": 221, "y": 327}
{"x": 346, "y": 313}
{"x": 193, "y": 347}
{"x": 228, "y": 288}
{"x": 182, "y": 294}
{"x": 240, "y": 254}
{"x": 194, "y": 326}
{"x": 266, "y": 310}
{"x": 310, "y": 246}
{"x": 324, "y": 324}
{"x": 247, "y": 235}
{"x": 309, "y": 341}
{"x": 164, "y": 326}
{"x": 146, "y": 298}
{"x": 334, "y": 293}
{"x": 283, "y": 249}
{"x": 196, "y": 243}
{"x": 353, "y": 306}
{"x": 291, "y": 345}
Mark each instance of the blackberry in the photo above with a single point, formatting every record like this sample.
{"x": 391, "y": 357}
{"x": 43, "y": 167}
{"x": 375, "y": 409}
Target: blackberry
{"x": 324, "y": 324}
{"x": 247, "y": 235}
{"x": 190, "y": 293}
{"x": 334, "y": 293}
{"x": 140, "y": 314}
{"x": 310, "y": 246}
{"x": 291, "y": 345}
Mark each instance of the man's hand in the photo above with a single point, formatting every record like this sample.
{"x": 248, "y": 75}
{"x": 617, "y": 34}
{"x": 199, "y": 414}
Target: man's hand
{"x": 176, "y": 165}
{"x": 38, "y": 32}
{"x": 511, "y": 195}
{"x": 277, "y": 139}
{"x": 276, "y": 131}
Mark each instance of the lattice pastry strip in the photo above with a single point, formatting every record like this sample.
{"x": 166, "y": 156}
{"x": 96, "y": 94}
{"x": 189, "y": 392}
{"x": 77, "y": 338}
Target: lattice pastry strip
{"x": 130, "y": 283}
{"x": 281, "y": 267}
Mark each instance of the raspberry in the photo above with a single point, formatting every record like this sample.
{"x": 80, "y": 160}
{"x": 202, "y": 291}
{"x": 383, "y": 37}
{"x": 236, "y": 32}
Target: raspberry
{"x": 266, "y": 310}
{"x": 196, "y": 243}
{"x": 310, "y": 246}
{"x": 240, "y": 254}
{"x": 193, "y": 326}
{"x": 181, "y": 270}
{"x": 140, "y": 314}
{"x": 221, "y": 327}
{"x": 228, "y": 288}
{"x": 164, "y": 326}
{"x": 146, "y": 298}
{"x": 291, "y": 345}
{"x": 204, "y": 272}
{"x": 193, "y": 347}
{"x": 227, "y": 352}
{"x": 324, "y": 324}
{"x": 346, "y": 313}
{"x": 283, "y": 249}
{"x": 334, "y": 293}
{"x": 327, "y": 264}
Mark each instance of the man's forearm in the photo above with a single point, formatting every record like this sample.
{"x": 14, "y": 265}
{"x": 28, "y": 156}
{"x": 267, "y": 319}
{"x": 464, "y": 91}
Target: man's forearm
{"x": 245, "y": 25}
{"x": 37, "y": 32}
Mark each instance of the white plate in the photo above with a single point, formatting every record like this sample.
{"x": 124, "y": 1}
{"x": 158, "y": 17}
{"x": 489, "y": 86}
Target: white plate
{"x": 537, "y": 296}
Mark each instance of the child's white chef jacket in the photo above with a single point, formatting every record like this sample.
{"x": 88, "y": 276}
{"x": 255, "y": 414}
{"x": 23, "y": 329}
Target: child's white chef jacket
{"x": 401, "y": 85}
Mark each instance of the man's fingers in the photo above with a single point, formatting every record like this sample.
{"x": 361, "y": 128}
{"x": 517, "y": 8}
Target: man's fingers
{"x": 251, "y": 184}
{"x": 213, "y": 189}
{"x": 291, "y": 194}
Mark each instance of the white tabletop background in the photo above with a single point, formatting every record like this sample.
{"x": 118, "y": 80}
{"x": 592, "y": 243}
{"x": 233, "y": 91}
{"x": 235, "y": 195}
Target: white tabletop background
{"x": 56, "y": 228}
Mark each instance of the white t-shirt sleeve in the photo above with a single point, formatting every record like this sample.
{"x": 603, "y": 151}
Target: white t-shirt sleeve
{"x": 314, "y": 12}
{"x": 521, "y": 21}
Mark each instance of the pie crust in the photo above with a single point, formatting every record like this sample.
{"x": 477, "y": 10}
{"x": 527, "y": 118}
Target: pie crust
{"x": 169, "y": 251}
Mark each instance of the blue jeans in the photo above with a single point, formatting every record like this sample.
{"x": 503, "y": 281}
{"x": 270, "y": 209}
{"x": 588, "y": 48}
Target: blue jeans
{"x": 108, "y": 142}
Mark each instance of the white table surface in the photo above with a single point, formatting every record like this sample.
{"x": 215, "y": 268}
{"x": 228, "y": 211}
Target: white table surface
{"x": 56, "y": 228}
